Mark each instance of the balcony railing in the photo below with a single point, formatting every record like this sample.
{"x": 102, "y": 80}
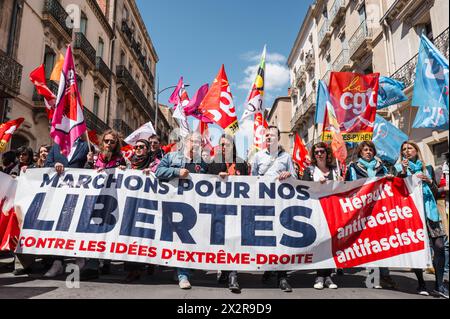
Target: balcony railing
{"x": 303, "y": 109}
{"x": 94, "y": 123}
{"x": 124, "y": 77}
{"x": 53, "y": 86}
{"x": 337, "y": 11}
{"x": 127, "y": 31}
{"x": 10, "y": 76}
{"x": 103, "y": 69}
{"x": 83, "y": 45}
{"x": 55, "y": 13}
{"x": 342, "y": 62}
{"x": 122, "y": 127}
{"x": 300, "y": 75}
{"x": 324, "y": 34}
{"x": 310, "y": 60}
{"x": 361, "y": 40}
{"x": 407, "y": 73}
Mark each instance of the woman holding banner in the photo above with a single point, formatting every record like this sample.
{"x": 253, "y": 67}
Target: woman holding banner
{"x": 412, "y": 164}
{"x": 321, "y": 171}
{"x": 226, "y": 163}
{"x": 143, "y": 158}
{"x": 370, "y": 166}
{"x": 110, "y": 157}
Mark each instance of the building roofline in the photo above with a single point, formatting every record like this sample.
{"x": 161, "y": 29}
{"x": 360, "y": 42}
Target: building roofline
{"x": 307, "y": 18}
{"x": 275, "y": 104}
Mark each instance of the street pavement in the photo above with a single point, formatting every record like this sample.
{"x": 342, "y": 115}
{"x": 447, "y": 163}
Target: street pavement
{"x": 161, "y": 285}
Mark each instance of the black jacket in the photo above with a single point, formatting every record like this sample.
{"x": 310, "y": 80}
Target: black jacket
{"x": 78, "y": 159}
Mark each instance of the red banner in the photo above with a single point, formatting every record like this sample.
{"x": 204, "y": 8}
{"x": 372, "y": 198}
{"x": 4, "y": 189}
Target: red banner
{"x": 354, "y": 98}
{"x": 7, "y": 130}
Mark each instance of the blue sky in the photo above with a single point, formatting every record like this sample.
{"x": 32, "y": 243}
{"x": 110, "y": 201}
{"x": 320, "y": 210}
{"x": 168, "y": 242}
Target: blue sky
{"x": 194, "y": 38}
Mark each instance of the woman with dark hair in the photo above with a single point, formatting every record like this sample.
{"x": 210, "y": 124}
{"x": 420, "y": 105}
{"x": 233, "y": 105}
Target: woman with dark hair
{"x": 369, "y": 166}
{"x": 42, "y": 155}
{"x": 109, "y": 157}
{"x": 411, "y": 163}
{"x": 25, "y": 155}
{"x": 226, "y": 163}
{"x": 141, "y": 160}
{"x": 9, "y": 160}
{"x": 321, "y": 171}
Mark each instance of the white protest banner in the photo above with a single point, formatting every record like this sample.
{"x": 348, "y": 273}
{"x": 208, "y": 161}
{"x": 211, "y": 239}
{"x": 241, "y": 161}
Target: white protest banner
{"x": 243, "y": 223}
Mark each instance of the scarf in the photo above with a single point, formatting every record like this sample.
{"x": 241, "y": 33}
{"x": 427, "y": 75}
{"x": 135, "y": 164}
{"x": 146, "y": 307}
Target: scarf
{"x": 429, "y": 201}
{"x": 114, "y": 162}
{"x": 140, "y": 162}
{"x": 369, "y": 166}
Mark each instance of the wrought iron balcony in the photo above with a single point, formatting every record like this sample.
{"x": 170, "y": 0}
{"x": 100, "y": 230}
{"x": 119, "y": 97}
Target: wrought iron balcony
{"x": 126, "y": 30}
{"x": 122, "y": 127}
{"x": 337, "y": 12}
{"x": 84, "y": 50}
{"x": 300, "y": 75}
{"x": 361, "y": 41}
{"x": 55, "y": 16}
{"x": 407, "y": 73}
{"x": 126, "y": 80}
{"x": 94, "y": 123}
{"x": 324, "y": 34}
{"x": 342, "y": 62}
{"x": 10, "y": 76}
{"x": 53, "y": 86}
{"x": 310, "y": 60}
{"x": 303, "y": 109}
{"x": 103, "y": 71}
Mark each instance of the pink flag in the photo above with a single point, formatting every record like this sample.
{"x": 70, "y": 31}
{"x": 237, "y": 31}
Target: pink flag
{"x": 68, "y": 122}
{"x": 175, "y": 98}
{"x": 191, "y": 109}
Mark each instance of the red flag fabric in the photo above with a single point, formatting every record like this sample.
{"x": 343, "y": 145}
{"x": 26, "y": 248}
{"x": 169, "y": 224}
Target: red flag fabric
{"x": 68, "y": 123}
{"x": 169, "y": 148}
{"x": 203, "y": 129}
{"x": 7, "y": 130}
{"x": 259, "y": 130}
{"x": 218, "y": 104}
{"x": 93, "y": 137}
{"x": 37, "y": 77}
{"x": 127, "y": 151}
{"x": 354, "y": 98}
{"x": 300, "y": 153}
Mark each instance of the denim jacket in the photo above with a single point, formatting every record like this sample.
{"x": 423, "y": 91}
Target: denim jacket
{"x": 171, "y": 164}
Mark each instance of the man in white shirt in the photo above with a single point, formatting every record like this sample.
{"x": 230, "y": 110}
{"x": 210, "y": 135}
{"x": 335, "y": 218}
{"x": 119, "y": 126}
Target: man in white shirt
{"x": 274, "y": 161}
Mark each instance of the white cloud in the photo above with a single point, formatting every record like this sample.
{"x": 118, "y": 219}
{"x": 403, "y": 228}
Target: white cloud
{"x": 277, "y": 77}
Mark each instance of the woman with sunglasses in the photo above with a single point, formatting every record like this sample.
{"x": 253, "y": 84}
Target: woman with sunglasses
{"x": 411, "y": 163}
{"x": 226, "y": 163}
{"x": 25, "y": 157}
{"x": 370, "y": 166}
{"x": 144, "y": 156}
{"x": 321, "y": 171}
{"x": 109, "y": 157}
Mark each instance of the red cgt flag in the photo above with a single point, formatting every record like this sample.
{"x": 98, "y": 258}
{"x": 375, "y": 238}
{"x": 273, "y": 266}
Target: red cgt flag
{"x": 37, "y": 77}
{"x": 7, "y": 130}
{"x": 218, "y": 104}
{"x": 300, "y": 153}
{"x": 354, "y": 98}
{"x": 259, "y": 130}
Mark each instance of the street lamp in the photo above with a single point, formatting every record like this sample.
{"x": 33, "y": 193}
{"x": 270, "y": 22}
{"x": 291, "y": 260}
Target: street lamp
{"x": 157, "y": 101}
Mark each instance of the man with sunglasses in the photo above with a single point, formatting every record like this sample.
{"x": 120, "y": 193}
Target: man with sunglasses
{"x": 274, "y": 161}
{"x": 187, "y": 160}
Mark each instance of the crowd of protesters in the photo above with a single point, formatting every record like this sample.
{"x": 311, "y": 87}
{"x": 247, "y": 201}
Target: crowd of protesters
{"x": 191, "y": 158}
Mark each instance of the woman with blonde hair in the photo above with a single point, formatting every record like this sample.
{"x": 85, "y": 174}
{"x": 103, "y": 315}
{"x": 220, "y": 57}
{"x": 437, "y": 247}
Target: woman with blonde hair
{"x": 412, "y": 163}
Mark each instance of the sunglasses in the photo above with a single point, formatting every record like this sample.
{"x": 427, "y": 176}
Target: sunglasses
{"x": 318, "y": 152}
{"x": 139, "y": 147}
{"x": 109, "y": 142}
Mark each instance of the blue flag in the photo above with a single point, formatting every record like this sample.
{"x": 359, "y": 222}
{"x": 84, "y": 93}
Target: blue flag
{"x": 390, "y": 92}
{"x": 323, "y": 96}
{"x": 388, "y": 139}
{"x": 431, "y": 87}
